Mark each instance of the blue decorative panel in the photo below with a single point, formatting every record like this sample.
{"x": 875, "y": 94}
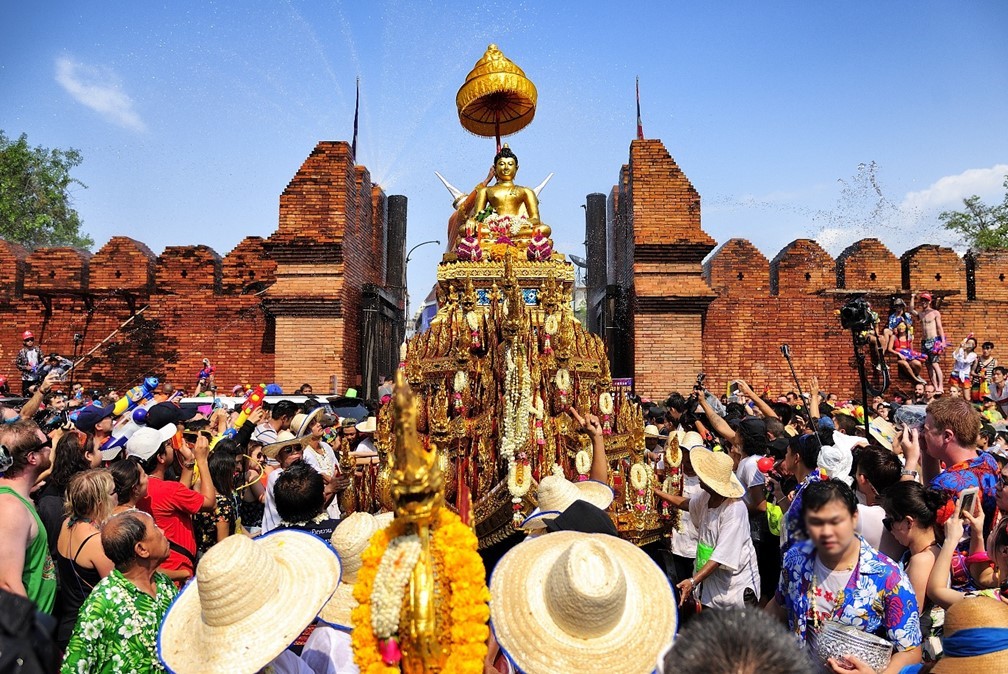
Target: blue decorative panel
{"x": 531, "y": 296}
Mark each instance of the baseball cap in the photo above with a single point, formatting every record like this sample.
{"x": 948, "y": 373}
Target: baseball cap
{"x": 925, "y": 296}
{"x": 147, "y": 441}
{"x": 89, "y": 417}
{"x": 166, "y": 413}
{"x": 28, "y": 334}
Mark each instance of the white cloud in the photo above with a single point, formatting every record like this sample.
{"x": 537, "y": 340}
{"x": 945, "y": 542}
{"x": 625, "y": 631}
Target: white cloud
{"x": 99, "y": 89}
{"x": 948, "y": 192}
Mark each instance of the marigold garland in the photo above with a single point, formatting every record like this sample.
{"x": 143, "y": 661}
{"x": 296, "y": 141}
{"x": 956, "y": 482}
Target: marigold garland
{"x": 464, "y": 585}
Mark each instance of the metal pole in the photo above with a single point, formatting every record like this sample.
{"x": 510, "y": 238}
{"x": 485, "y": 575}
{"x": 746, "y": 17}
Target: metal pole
{"x": 405, "y": 270}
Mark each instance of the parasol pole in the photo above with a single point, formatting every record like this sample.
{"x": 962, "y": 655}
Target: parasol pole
{"x": 497, "y": 128}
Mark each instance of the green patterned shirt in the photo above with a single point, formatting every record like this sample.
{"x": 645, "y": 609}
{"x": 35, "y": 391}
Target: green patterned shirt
{"x": 117, "y": 628}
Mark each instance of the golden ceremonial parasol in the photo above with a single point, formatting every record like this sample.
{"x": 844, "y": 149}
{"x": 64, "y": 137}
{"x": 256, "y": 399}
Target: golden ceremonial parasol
{"x": 496, "y": 99}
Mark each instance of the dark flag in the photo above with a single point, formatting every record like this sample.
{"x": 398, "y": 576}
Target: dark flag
{"x": 356, "y": 111}
{"x": 640, "y": 125}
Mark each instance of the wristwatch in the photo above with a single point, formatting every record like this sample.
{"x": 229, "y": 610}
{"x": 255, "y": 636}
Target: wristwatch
{"x": 912, "y": 473}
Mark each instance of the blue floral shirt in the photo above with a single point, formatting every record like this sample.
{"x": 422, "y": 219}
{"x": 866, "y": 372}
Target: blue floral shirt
{"x": 793, "y": 529}
{"x": 878, "y": 597}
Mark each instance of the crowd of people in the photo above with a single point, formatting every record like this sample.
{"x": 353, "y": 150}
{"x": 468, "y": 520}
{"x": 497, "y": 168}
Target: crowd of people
{"x": 811, "y": 533}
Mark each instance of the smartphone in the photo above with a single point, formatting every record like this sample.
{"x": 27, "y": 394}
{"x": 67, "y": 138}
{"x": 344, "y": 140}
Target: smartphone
{"x": 732, "y": 392}
{"x": 967, "y": 499}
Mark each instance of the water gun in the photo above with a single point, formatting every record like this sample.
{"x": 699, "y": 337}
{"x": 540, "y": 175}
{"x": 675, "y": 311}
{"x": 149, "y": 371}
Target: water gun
{"x": 135, "y": 396}
{"x": 255, "y": 399}
{"x": 206, "y": 372}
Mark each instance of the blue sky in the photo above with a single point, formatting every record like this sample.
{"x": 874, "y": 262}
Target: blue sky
{"x": 192, "y": 117}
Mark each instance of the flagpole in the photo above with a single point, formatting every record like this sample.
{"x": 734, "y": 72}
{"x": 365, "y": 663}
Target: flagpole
{"x": 356, "y": 112}
{"x": 640, "y": 125}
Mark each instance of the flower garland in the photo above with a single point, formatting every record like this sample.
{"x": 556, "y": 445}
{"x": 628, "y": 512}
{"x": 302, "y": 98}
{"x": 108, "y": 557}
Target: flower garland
{"x": 605, "y": 403}
{"x": 641, "y": 476}
{"x": 515, "y": 436}
{"x": 461, "y": 575}
{"x": 474, "y": 337}
{"x": 562, "y": 379}
{"x": 539, "y": 412}
{"x": 582, "y": 462}
{"x": 550, "y": 326}
{"x": 459, "y": 385}
{"x": 390, "y": 584}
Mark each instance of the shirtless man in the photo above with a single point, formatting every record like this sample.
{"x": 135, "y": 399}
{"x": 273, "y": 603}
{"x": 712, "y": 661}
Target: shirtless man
{"x": 934, "y": 339}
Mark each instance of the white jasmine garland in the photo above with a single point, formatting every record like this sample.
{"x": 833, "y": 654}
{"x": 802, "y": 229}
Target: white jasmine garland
{"x": 461, "y": 381}
{"x": 640, "y": 476}
{"x": 472, "y": 320}
{"x": 605, "y": 403}
{"x": 517, "y": 407}
{"x": 562, "y": 379}
{"x": 390, "y": 583}
{"x": 583, "y": 461}
{"x": 552, "y": 324}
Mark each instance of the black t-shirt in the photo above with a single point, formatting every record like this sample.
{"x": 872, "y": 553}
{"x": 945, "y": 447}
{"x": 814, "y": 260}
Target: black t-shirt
{"x": 49, "y": 505}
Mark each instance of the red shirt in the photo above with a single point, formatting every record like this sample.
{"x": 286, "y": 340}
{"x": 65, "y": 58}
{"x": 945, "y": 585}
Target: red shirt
{"x": 172, "y": 506}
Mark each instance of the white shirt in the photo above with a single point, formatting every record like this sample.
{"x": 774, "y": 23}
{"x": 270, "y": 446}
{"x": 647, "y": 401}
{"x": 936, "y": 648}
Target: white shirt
{"x": 963, "y": 364}
{"x": 271, "y": 520}
{"x": 684, "y": 539}
{"x": 870, "y": 526}
{"x": 328, "y": 651}
{"x": 326, "y": 465}
{"x": 749, "y": 475}
{"x": 726, "y": 529}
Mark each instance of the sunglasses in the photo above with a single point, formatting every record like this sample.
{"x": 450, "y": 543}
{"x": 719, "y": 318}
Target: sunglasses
{"x": 287, "y": 451}
{"x": 42, "y": 445}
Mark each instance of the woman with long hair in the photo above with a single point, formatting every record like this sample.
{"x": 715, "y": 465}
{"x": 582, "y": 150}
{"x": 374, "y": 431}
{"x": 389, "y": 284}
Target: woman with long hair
{"x": 911, "y": 515}
{"x": 80, "y": 558}
{"x": 73, "y": 453}
{"x": 213, "y": 527}
{"x": 130, "y": 483}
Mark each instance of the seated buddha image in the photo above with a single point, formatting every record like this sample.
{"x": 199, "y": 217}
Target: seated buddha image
{"x": 506, "y": 213}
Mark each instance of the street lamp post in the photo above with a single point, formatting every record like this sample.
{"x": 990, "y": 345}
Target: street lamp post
{"x": 405, "y": 283}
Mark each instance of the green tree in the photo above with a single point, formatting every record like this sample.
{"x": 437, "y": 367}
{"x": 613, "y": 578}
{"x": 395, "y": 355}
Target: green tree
{"x": 35, "y": 201}
{"x": 983, "y": 227}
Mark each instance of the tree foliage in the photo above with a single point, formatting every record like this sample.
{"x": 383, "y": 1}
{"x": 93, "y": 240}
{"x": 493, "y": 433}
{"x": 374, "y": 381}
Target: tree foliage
{"x": 983, "y": 227}
{"x": 35, "y": 202}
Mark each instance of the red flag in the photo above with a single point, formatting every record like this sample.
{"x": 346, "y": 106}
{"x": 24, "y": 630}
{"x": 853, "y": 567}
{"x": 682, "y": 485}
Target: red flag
{"x": 640, "y": 125}
{"x": 356, "y": 110}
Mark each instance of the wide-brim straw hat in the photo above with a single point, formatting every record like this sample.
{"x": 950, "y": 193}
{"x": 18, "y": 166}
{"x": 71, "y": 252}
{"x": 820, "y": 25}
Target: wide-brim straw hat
{"x": 350, "y": 539}
{"x": 690, "y": 439}
{"x": 570, "y": 602}
{"x": 369, "y": 425}
{"x": 556, "y": 493}
{"x": 970, "y": 613}
{"x": 715, "y": 469}
{"x": 284, "y": 439}
{"x": 883, "y": 432}
{"x": 221, "y": 624}
{"x": 301, "y": 423}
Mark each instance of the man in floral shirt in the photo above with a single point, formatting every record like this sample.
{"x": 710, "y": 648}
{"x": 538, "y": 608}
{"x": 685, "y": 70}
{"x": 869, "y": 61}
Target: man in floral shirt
{"x": 837, "y": 577}
{"x": 118, "y": 624}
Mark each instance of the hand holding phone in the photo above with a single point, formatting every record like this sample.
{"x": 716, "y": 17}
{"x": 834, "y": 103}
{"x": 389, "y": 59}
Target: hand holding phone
{"x": 966, "y": 501}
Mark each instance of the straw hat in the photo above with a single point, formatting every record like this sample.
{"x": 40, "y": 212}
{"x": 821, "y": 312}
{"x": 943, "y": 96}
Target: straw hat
{"x": 350, "y": 540}
{"x": 883, "y": 431}
{"x": 570, "y": 602}
{"x": 651, "y": 431}
{"x": 968, "y": 614}
{"x": 301, "y": 423}
{"x": 556, "y": 493}
{"x": 221, "y": 624}
{"x": 284, "y": 439}
{"x": 715, "y": 469}
{"x": 369, "y": 425}
{"x": 690, "y": 439}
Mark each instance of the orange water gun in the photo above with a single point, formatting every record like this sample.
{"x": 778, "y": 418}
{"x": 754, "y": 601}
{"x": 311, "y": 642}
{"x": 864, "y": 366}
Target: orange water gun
{"x": 255, "y": 399}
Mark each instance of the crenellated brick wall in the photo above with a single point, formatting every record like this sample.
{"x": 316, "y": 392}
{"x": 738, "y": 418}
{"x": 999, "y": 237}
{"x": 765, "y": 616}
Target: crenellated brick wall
{"x": 285, "y": 309}
{"x": 729, "y": 316}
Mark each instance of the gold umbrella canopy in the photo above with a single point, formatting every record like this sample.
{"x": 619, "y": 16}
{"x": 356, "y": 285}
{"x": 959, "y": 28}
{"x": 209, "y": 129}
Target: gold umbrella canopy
{"x": 496, "y": 99}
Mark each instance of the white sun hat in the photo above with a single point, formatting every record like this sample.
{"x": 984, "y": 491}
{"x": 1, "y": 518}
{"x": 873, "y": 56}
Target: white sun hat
{"x": 350, "y": 540}
{"x": 556, "y": 493}
{"x": 222, "y": 624}
{"x": 572, "y": 602}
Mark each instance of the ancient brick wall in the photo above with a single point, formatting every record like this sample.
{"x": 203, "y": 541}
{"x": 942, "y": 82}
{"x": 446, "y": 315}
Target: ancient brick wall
{"x": 285, "y": 309}
{"x": 729, "y": 316}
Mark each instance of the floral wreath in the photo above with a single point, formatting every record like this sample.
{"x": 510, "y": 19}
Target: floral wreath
{"x": 605, "y": 403}
{"x": 461, "y": 580}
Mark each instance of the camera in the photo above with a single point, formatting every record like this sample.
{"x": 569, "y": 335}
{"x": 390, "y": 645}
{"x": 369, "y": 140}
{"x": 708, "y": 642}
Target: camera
{"x": 78, "y": 338}
{"x": 857, "y": 315}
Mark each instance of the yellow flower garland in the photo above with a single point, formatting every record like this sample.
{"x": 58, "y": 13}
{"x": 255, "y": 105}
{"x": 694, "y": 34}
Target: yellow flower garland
{"x": 464, "y": 586}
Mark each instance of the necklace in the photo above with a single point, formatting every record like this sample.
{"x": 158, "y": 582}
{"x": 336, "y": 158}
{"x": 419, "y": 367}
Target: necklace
{"x": 326, "y": 467}
{"x": 815, "y": 591}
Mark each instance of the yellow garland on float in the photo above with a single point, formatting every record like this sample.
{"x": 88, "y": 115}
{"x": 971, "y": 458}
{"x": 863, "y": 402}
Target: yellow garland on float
{"x": 461, "y": 584}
